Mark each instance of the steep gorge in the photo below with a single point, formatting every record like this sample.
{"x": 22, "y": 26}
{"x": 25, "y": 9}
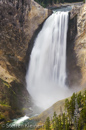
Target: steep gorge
{"x": 20, "y": 23}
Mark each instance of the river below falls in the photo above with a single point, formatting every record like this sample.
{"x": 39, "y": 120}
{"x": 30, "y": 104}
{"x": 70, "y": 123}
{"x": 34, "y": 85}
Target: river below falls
{"x": 23, "y": 123}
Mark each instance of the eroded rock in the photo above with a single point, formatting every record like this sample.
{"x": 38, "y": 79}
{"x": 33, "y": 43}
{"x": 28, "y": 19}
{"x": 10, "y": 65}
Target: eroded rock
{"x": 18, "y": 22}
{"x": 80, "y": 43}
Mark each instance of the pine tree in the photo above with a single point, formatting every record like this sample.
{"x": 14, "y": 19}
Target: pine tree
{"x": 60, "y": 123}
{"x": 47, "y": 124}
{"x": 63, "y": 120}
{"x": 80, "y": 123}
{"x": 72, "y": 104}
{"x": 55, "y": 122}
{"x": 66, "y": 124}
{"x": 79, "y": 100}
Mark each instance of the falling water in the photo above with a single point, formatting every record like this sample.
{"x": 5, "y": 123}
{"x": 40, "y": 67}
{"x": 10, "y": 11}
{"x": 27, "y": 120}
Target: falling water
{"x": 46, "y": 74}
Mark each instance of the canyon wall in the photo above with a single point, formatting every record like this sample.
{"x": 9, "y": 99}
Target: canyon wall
{"x": 76, "y": 50}
{"x": 80, "y": 43}
{"x": 73, "y": 71}
{"x": 20, "y": 22}
{"x": 19, "y": 19}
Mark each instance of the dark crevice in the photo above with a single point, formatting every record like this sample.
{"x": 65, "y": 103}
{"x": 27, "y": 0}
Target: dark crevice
{"x": 73, "y": 71}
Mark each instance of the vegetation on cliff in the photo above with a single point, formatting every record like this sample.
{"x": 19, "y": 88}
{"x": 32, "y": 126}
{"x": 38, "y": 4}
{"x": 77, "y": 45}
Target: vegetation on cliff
{"x": 51, "y": 2}
{"x": 12, "y": 100}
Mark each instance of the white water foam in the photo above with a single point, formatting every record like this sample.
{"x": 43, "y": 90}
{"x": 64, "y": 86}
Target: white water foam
{"x": 17, "y": 122}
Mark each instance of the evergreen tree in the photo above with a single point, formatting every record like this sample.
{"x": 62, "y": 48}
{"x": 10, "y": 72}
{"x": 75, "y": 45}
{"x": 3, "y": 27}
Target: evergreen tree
{"x": 72, "y": 104}
{"x": 74, "y": 118}
{"x": 60, "y": 123}
{"x": 79, "y": 100}
{"x": 47, "y": 124}
{"x": 83, "y": 114}
{"x": 55, "y": 122}
{"x": 51, "y": 2}
{"x": 84, "y": 98}
{"x": 67, "y": 124}
{"x": 67, "y": 104}
{"x": 80, "y": 124}
{"x": 64, "y": 121}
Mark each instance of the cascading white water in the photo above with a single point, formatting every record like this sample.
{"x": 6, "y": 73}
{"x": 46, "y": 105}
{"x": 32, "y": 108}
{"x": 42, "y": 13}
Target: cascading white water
{"x": 47, "y": 69}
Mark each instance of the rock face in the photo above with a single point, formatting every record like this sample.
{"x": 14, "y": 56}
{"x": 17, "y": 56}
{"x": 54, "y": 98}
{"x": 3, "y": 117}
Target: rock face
{"x": 81, "y": 21}
{"x": 73, "y": 71}
{"x": 19, "y": 19}
{"x": 36, "y": 16}
{"x": 13, "y": 43}
{"x": 76, "y": 47}
{"x": 80, "y": 43}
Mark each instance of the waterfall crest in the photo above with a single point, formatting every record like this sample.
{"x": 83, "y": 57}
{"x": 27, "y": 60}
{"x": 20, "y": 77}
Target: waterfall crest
{"x": 46, "y": 74}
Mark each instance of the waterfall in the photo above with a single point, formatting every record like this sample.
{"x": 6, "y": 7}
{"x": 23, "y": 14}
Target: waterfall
{"x": 46, "y": 74}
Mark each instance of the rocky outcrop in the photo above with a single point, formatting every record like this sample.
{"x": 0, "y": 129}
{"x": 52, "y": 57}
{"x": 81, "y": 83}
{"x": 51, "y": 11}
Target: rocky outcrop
{"x": 76, "y": 47}
{"x": 80, "y": 43}
{"x": 73, "y": 71}
{"x": 75, "y": 10}
{"x": 13, "y": 43}
{"x": 19, "y": 19}
{"x": 81, "y": 21}
{"x": 36, "y": 16}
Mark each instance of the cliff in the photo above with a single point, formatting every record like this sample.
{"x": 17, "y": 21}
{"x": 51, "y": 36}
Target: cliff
{"x": 73, "y": 71}
{"x": 80, "y": 43}
{"x": 18, "y": 22}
